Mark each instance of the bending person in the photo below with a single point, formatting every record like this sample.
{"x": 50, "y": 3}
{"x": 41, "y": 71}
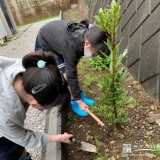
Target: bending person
{"x": 35, "y": 80}
{"x": 70, "y": 41}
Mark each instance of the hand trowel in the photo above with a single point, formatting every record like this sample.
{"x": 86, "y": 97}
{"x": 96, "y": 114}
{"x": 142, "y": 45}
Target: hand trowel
{"x": 84, "y": 145}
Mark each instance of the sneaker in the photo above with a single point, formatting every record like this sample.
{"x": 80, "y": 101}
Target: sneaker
{"x": 77, "y": 110}
{"x": 87, "y": 101}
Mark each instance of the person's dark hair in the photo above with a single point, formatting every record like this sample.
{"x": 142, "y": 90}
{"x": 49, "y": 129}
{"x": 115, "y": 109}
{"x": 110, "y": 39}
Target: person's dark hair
{"x": 97, "y": 37}
{"x": 85, "y": 22}
{"x": 56, "y": 92}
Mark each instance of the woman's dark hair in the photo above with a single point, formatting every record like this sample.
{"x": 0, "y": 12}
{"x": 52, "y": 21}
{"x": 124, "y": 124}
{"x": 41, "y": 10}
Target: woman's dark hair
{"x": 85, "y": 22}
{"x": 56, "y": 91}
{"x": 97, "y": 37}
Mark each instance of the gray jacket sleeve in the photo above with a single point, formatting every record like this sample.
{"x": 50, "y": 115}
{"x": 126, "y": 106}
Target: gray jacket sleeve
{"x": 22, "y": 136}
{"x": 71, "y": 60}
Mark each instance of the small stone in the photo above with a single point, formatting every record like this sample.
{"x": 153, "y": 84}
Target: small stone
{"x": 80, "y": 126}
{"x": 115, "y": 151}
{"x": 133, "y": 117}
{"x": 149, "y": 155}
{"x": 137, "y": 118}
{"x": 112, "y": 142}
{"x": 113, "y": 158}
{"x": 89, "y": 138}
{"x": 153, "y": 107}
{"x": 137, "y": 137}
{"x": 142, "y": 127}
{"x": 150, "y": 133}
{"x": 146, "y": 145}
{"x": 121, "y": 136}
{"x": 106, "y": 150}
{"x": 135, "y": 82}
{"x": 150, "y": 120}
{"x": 117, "y": 156}
{"x": 154, "y": 127}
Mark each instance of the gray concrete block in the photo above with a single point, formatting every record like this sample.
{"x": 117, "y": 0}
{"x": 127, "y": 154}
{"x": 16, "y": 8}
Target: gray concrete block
{"x": 129, "y": 13}
{"x": 128, "y": 2}
{"x": 149, "y": 56}
{"x": 139, "y": 2}
{"x": 118, "y": 32}
{"x": 121, "y": 1}
{"x": 134, "y": 47}
{"x": 154, "y": 3}
{"x": 140, "y": 16}
{"x": 134, "y": 70}
{"x": 53, "y": 150}
{"x": 125, "y": 36}
{"x": 151, "y": 87}
{"x": 151, "y": 25}
{"x": 123, "y": 7}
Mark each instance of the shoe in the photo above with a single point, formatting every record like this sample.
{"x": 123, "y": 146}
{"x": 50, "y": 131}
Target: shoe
{"x": 77, "y": 110}
{"x": 28, "y": 157}
{"x": 87, "y": 101}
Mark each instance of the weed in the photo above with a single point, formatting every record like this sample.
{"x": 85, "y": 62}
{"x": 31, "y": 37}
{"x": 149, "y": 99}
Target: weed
{"x": 156, "y": 148}
{"x": 100, "y": 155}
{"x": 24, "y": 30}
{"x": 99, "y": 63}
{"x": 69, "y": 117}
{"x": 4, "y": 44}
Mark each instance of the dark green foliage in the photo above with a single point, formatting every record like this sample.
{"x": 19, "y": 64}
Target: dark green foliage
{"x": 111, "y": 84}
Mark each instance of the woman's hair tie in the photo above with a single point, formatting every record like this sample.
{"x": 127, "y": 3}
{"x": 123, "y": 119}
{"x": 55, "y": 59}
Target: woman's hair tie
{"x": 41, "y": 64}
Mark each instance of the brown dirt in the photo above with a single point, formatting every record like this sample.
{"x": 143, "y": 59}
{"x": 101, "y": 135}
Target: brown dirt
{"x": 135, "y": 131}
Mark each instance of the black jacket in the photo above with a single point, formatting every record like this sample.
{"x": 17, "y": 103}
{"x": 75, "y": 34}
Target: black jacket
{"x": 66, "y": 39}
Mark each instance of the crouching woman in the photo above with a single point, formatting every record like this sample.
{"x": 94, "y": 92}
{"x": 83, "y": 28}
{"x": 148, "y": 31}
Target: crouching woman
{"x": 34, "y": 80}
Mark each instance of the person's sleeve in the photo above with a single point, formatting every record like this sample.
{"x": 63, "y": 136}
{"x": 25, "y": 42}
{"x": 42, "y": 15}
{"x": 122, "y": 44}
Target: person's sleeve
{"x": 22, "y": 136}
{"x": 71, "y": 60}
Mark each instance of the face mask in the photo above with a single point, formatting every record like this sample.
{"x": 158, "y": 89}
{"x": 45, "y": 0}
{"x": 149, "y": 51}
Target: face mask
{"x": 87, "y": 54}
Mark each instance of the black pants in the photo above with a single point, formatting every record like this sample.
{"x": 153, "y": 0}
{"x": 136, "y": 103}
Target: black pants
{"x": 59, "y": 59}
{"x": 10, "y": 150}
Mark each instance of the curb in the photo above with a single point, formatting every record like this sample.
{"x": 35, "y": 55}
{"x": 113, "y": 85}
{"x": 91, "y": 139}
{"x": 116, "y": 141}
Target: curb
{"x": 55, "y": 125}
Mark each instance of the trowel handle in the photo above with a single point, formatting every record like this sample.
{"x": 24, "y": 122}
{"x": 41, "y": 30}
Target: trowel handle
{"x": 95, "y": 117}
{"x": 74, "y": 141}
{"x": 71, "y": 139}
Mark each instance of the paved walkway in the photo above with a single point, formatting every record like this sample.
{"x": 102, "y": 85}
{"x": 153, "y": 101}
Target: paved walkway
{"x": 25, "y": 42}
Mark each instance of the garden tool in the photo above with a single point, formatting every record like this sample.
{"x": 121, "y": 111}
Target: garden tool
{"x": 95, "y": 117}
{"x": 84, "y": 145}
{"x": 99, "y": 121}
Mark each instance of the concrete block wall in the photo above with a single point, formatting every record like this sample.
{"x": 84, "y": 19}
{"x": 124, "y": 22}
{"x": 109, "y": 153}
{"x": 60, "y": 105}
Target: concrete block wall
{"x": 140, "y": 27}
